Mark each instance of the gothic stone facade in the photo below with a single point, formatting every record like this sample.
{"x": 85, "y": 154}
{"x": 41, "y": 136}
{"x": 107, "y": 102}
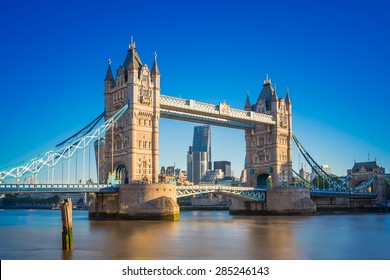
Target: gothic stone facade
{"x": 130, "y": 152}
{"x": 363, "y": 171}
{"x": 269, "y": 148}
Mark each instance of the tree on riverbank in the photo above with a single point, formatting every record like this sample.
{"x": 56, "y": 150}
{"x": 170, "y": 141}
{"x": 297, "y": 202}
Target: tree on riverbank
{"x": 12, "y": 200}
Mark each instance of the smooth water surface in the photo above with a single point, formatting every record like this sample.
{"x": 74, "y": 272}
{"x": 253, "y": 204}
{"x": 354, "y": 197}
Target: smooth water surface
{"x": 36, "y": 234}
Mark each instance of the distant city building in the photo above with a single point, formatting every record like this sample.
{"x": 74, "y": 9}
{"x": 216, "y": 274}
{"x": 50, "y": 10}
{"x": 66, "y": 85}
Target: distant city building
{"x": 327, "y": 169}
{"x": 202, "y": 142}
{"x": 302, "y": 173}
{"x": 169, "y": 170}
{"x": 363, "y": 171}
{"x": 189, "y": 164}
{"x": 199, "y": 155}
{"x": 173, "y": 174}
{"x": 324, "y": 167}
{"x": 305, "y": 175}
{"x": 199, "y": 166}
{"x": 243, "y": 177}
{"x": 370, "y": 167}
{"x": 182, "y": 178}
{"x": 213, "y": 175}
{"x": 225, "y": 166}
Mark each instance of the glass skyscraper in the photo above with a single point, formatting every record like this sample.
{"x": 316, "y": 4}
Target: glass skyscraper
{"x": 199, "y": 156}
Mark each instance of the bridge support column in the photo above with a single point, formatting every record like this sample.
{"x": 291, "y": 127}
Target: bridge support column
{"x": 246, "y": 207}
{"x": 290, "y": 201}
{"x": 136, "y": 202}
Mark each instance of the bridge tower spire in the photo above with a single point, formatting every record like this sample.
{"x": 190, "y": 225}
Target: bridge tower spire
{"x": 109, "y": 80}
{"x": 248, "y": 106}
{"x": 108, "y": 86}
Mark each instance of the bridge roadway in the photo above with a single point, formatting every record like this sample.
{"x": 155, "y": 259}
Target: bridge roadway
{"x": 221, "y": 115}
{"x": 182, "y": 191}
{"x": 249, "y": 193}
{"x": 58, "y": 188}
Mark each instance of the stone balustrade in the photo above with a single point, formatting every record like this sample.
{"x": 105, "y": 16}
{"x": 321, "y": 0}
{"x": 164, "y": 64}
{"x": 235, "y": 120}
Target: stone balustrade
{"x": 222, "y": 110}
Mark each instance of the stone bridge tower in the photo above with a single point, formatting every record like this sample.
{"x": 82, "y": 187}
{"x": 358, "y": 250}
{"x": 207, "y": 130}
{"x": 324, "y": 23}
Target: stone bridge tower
{"x": 269, "y": 147}
{"x": 130, "y": 150}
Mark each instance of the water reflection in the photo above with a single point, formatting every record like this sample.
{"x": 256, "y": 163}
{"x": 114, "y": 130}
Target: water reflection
{"x": 198, "y": 235}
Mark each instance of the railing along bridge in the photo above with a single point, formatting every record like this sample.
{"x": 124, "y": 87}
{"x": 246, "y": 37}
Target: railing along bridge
{"x": 221, "y": 115}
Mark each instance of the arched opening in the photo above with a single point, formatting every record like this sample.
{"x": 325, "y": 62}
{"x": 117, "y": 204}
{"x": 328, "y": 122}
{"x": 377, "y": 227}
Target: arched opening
{"x": 121, "y": 174}
{"x": 263, "y": 181}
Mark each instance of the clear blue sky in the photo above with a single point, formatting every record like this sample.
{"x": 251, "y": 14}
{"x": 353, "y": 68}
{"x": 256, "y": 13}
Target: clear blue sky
{"x": 334, "y": 57}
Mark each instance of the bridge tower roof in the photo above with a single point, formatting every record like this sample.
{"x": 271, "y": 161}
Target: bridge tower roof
{"x": 268, "y": 93}
{"x": 132, "y": 59}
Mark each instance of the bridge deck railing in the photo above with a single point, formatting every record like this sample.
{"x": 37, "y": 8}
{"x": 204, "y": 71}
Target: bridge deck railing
{"x": 48, "y": 186}
{"x": 223, "y": 110}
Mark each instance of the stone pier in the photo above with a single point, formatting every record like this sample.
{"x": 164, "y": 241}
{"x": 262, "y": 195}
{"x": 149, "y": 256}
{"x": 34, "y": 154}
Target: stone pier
{"x": 136, "y": 202}
{"x": 290, "y": 201}
{"x": 279, "y": 201}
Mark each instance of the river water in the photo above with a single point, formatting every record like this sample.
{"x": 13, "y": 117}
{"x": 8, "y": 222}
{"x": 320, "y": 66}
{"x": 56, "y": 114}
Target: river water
{"x": 36, "y": 235}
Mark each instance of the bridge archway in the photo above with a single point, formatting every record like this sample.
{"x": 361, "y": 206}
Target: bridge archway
{"x": 263, "y": 181}
{"x": 121, "y": 174}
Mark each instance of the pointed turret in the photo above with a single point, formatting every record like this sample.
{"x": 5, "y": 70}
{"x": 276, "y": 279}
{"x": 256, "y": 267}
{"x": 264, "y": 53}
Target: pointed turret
{"x": 248, "y": 106}
{"x": 109, "y": 79}
{"x": 155, "y": 70}
{"x": 109, "y": 76}
{"x": 108, "y": 87}
{"x": 274, "y": 94}
{"x": 274, "y": 99}
{"x": 288, "y": 101}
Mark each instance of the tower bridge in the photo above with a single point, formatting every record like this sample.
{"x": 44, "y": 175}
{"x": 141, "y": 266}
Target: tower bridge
{"x": 127, "y": 148}
{"x": 134, "y": 155}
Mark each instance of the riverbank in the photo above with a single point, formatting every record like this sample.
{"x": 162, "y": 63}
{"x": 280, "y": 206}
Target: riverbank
{"x": 41, "y": 206}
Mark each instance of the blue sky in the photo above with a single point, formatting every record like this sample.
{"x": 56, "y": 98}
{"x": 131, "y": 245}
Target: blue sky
{"x": 333, "y": 56}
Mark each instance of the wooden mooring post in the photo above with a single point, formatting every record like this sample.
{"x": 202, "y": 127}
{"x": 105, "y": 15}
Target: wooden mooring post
{"x": 67, "y": 227}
